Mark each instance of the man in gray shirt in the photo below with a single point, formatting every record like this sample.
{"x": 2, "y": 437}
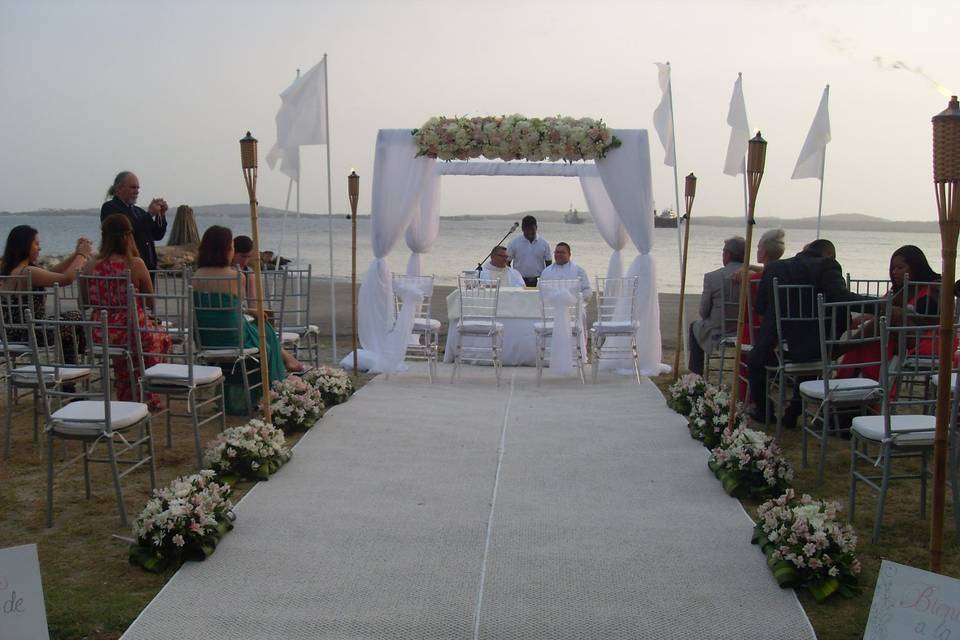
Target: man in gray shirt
{"x": 706, "y": 332}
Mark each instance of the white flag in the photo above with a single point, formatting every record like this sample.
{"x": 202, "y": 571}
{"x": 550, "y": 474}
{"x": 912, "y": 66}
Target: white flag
{"x": 301, "y": 119}
{"x": 739, "y": 132}
{"x": 663, "y": 117}
{"x": 810, "y": 162}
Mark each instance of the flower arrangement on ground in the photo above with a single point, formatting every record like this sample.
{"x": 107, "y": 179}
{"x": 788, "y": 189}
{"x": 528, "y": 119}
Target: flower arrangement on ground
{"x": 807, "y": 546}
{"x": 514, "y": 137}
{"x": 684, "y": 393}
{"x": 183, "y": 521}
{"x": 749, "y": 463}
{"x": 252, "y": 451}
{"x": 710, "y": 415}
{"x": 295, "y": 404}
{"x": 335, "y": 384}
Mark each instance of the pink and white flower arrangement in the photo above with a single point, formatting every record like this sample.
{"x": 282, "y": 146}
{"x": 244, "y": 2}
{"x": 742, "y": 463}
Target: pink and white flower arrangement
{"x": 295, "y": 404}
{"x": 683, "y": 393}
{"x": 749, "y": 463}
{"x": 807, "y": 546}
{"x": 515, "y": 137}
{"x": 334, "y": 383}
{"x": 183, "y": 521}
{"x": 710, "y": 415}
{"x": 253, "y": 451}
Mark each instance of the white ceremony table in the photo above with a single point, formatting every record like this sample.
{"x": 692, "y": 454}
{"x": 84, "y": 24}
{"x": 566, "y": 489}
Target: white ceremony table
{"x": 517, "y": 309}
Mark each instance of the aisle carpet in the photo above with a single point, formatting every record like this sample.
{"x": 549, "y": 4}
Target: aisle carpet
{"x": 420, "y": 511}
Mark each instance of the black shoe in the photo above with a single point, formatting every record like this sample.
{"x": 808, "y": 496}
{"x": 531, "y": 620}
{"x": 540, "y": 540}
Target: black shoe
{"x": 758, "y": 416}
{"x": 789, "y": 421}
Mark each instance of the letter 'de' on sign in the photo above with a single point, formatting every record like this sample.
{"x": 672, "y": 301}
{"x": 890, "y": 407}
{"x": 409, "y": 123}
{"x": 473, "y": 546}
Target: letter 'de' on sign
{"x": 912, "y": 603}
{"x": 22, "y": 612}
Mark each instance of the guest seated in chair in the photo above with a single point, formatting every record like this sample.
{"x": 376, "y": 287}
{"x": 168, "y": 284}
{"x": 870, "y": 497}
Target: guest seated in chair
{"x": 563, "y": 268}
{"x": 496, "y": 268}
{"x": 706, "y": 332}
{"x": 214, "y": 259}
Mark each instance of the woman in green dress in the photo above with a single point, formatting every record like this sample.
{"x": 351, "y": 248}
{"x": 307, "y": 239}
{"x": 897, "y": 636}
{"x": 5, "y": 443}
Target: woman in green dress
{"x": 213, "y": 261}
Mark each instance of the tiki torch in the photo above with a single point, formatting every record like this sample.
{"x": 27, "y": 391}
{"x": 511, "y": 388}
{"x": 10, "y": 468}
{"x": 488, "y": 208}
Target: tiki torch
{"x": 353, "y": 191}
{"x": 756, "y": 159}
{"x": 248, "y": 160}
{"x": 946, "y": 177}
{"x": 689, "y": 192}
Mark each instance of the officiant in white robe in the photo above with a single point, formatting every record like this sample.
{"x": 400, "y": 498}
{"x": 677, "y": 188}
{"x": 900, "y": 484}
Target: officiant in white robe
{"x": 563, "y": 268}
{"x": 496, "y": 268}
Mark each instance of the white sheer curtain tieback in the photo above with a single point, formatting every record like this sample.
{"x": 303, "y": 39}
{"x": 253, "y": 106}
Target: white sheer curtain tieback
{"x": 561, "y": 344}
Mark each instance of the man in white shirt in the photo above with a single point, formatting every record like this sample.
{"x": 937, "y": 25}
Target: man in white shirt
{"x": 563, "y": 268}
{"x": 530, "y": 253}
{"x": 496, "y": 268}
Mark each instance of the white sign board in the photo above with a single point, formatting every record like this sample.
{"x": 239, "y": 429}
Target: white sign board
{"x": 22, "y": 612}
{"x": 911, "y": 603}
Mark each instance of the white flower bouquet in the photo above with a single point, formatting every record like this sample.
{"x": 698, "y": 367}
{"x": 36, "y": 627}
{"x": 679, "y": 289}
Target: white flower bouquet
{"x": 515, "y": 137}
{"x": 684, "y": 393}
{"x": 334, "y": 384}
{"x": 253, "y": 451}
{"x": 749, "y": 463}
{"x": 295, "y": 404}
{"x": 710, "y": 415}
{"x": 807, "y": 546}
{"x": 183, "y": 521}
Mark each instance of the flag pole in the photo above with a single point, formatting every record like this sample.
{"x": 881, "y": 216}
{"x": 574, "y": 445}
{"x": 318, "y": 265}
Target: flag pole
{"x": 823, "y": 163}
{"x": 353, "y": 192}
{"x": 756, "y": 160}
{"x": 689, "y": 191}
{"x": 283, "y": 226}
{"x": 682, "y": 234}
{"x": 333, "y": 289}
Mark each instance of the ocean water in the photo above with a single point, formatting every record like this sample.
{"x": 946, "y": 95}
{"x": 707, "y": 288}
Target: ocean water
{"x": 461, "y": 243}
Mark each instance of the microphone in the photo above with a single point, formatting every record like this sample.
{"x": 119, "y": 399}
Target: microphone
{"x": 515, "y": 226}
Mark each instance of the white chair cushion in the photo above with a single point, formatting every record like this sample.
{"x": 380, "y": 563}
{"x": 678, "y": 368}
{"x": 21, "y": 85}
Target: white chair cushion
{"x": 843, "y": 389}
{"x": 547, "y": 327}
{"x": 289, "y": 337}
{"x": 180, "y": 373}
{"x": 303, "y": 330}
{"x": 426, "y": 324}
{"x": 122, "y": 414}
{"x": 615, "y": 326}
{"x": 871, "y": 428}
{"x": 479, "y": 327}
{"x": 226, "y": 354}
{"x": 28, "y": 374}
{"x": 935, "y": 379}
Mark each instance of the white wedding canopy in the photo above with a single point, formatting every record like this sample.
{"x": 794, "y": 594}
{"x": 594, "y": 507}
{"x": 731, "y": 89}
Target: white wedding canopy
{"x": 405, "y": 196}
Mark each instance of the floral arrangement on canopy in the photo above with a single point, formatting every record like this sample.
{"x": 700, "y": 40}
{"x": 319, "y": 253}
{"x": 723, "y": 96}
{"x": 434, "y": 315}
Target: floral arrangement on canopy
{"x": 334, "y": 384}
{"x": 683, "y": 394}
{"x": 514, "y": 137}
{"x": 183, "y": 521}
{"x": 296, "y": 404}
{"x": 749, "y": 463}
{"x": 807, "y": 546}
{"x": 252, "y": 451}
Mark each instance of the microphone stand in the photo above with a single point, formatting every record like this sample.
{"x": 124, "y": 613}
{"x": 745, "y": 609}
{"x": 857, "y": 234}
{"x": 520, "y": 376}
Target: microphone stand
{"x": 490, "y": 253}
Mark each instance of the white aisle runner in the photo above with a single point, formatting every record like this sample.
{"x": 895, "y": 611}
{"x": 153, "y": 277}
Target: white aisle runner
{"x": 420, "y": 511}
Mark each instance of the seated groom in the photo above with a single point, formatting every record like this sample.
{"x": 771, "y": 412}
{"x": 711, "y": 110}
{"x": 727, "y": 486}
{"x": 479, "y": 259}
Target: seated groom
{"x": 496, "y": 268}
{"x": 563, "y": 268}
{"x": 705, "y": 332}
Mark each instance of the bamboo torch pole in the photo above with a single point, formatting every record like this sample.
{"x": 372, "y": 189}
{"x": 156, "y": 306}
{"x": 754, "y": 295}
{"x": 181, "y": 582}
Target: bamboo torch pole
{"x": 689, "y": 192}
{"x": 248, "y": 159}
{"x": 353, "y": 191}
{"x": 756, "y": 159}
{"x": 946, "y": 177}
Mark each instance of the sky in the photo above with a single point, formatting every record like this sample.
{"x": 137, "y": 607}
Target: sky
{"x": 167, "y": 89}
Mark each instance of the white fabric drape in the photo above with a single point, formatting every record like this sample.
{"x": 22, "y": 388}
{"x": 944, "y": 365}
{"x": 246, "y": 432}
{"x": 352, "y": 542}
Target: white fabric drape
{"x": 560, "y": 300}
{"x": 399, "y": 179}
{"x": 424, "y": 226}
{"x": 606, "y": 218}
{"x": 626, "y": 177}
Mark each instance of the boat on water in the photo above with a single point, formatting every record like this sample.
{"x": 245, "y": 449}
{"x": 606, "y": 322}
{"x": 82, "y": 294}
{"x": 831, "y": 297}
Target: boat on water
{"x": 572, "y": 217}
{"x": 666, "y": 219}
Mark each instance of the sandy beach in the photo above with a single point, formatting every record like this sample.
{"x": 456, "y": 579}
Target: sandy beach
{"x": 320, "y": 303}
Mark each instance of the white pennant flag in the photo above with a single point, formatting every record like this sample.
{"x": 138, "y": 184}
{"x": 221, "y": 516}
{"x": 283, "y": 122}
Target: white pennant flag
{"x": 301, "y": 119}
{"x": 739, "y": 132}
{"x": 810, "y": 162}
{"x": 663, "y": 116}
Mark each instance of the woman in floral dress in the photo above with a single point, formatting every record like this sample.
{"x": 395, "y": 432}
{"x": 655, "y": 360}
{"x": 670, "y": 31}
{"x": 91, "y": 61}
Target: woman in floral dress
{"x": 118, "y": 257}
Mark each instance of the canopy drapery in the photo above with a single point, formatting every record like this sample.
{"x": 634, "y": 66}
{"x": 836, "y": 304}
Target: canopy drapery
{"x": 405, "y": 196}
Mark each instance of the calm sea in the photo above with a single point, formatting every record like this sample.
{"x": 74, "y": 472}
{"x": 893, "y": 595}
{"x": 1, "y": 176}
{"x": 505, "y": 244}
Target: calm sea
{"x": 864, "y": 254}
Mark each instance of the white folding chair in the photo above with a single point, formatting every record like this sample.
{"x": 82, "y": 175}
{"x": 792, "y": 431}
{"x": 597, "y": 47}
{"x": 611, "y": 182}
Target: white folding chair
{"x": 614, "y": 333}
{"x": 478, "y": 324}
{"x": 561, "y": 305}
{"x": 425, "y": 333}
{"x": 298, "y": 333}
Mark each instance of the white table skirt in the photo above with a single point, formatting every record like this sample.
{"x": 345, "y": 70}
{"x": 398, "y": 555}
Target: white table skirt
{"x": 517, "y": 309}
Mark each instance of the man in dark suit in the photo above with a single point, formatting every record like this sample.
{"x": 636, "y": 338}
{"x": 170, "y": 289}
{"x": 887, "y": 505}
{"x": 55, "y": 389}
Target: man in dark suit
{"x": 707, "y": 330}
{"x": 816, "y": 265}
{"x": 148, "y": 226}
